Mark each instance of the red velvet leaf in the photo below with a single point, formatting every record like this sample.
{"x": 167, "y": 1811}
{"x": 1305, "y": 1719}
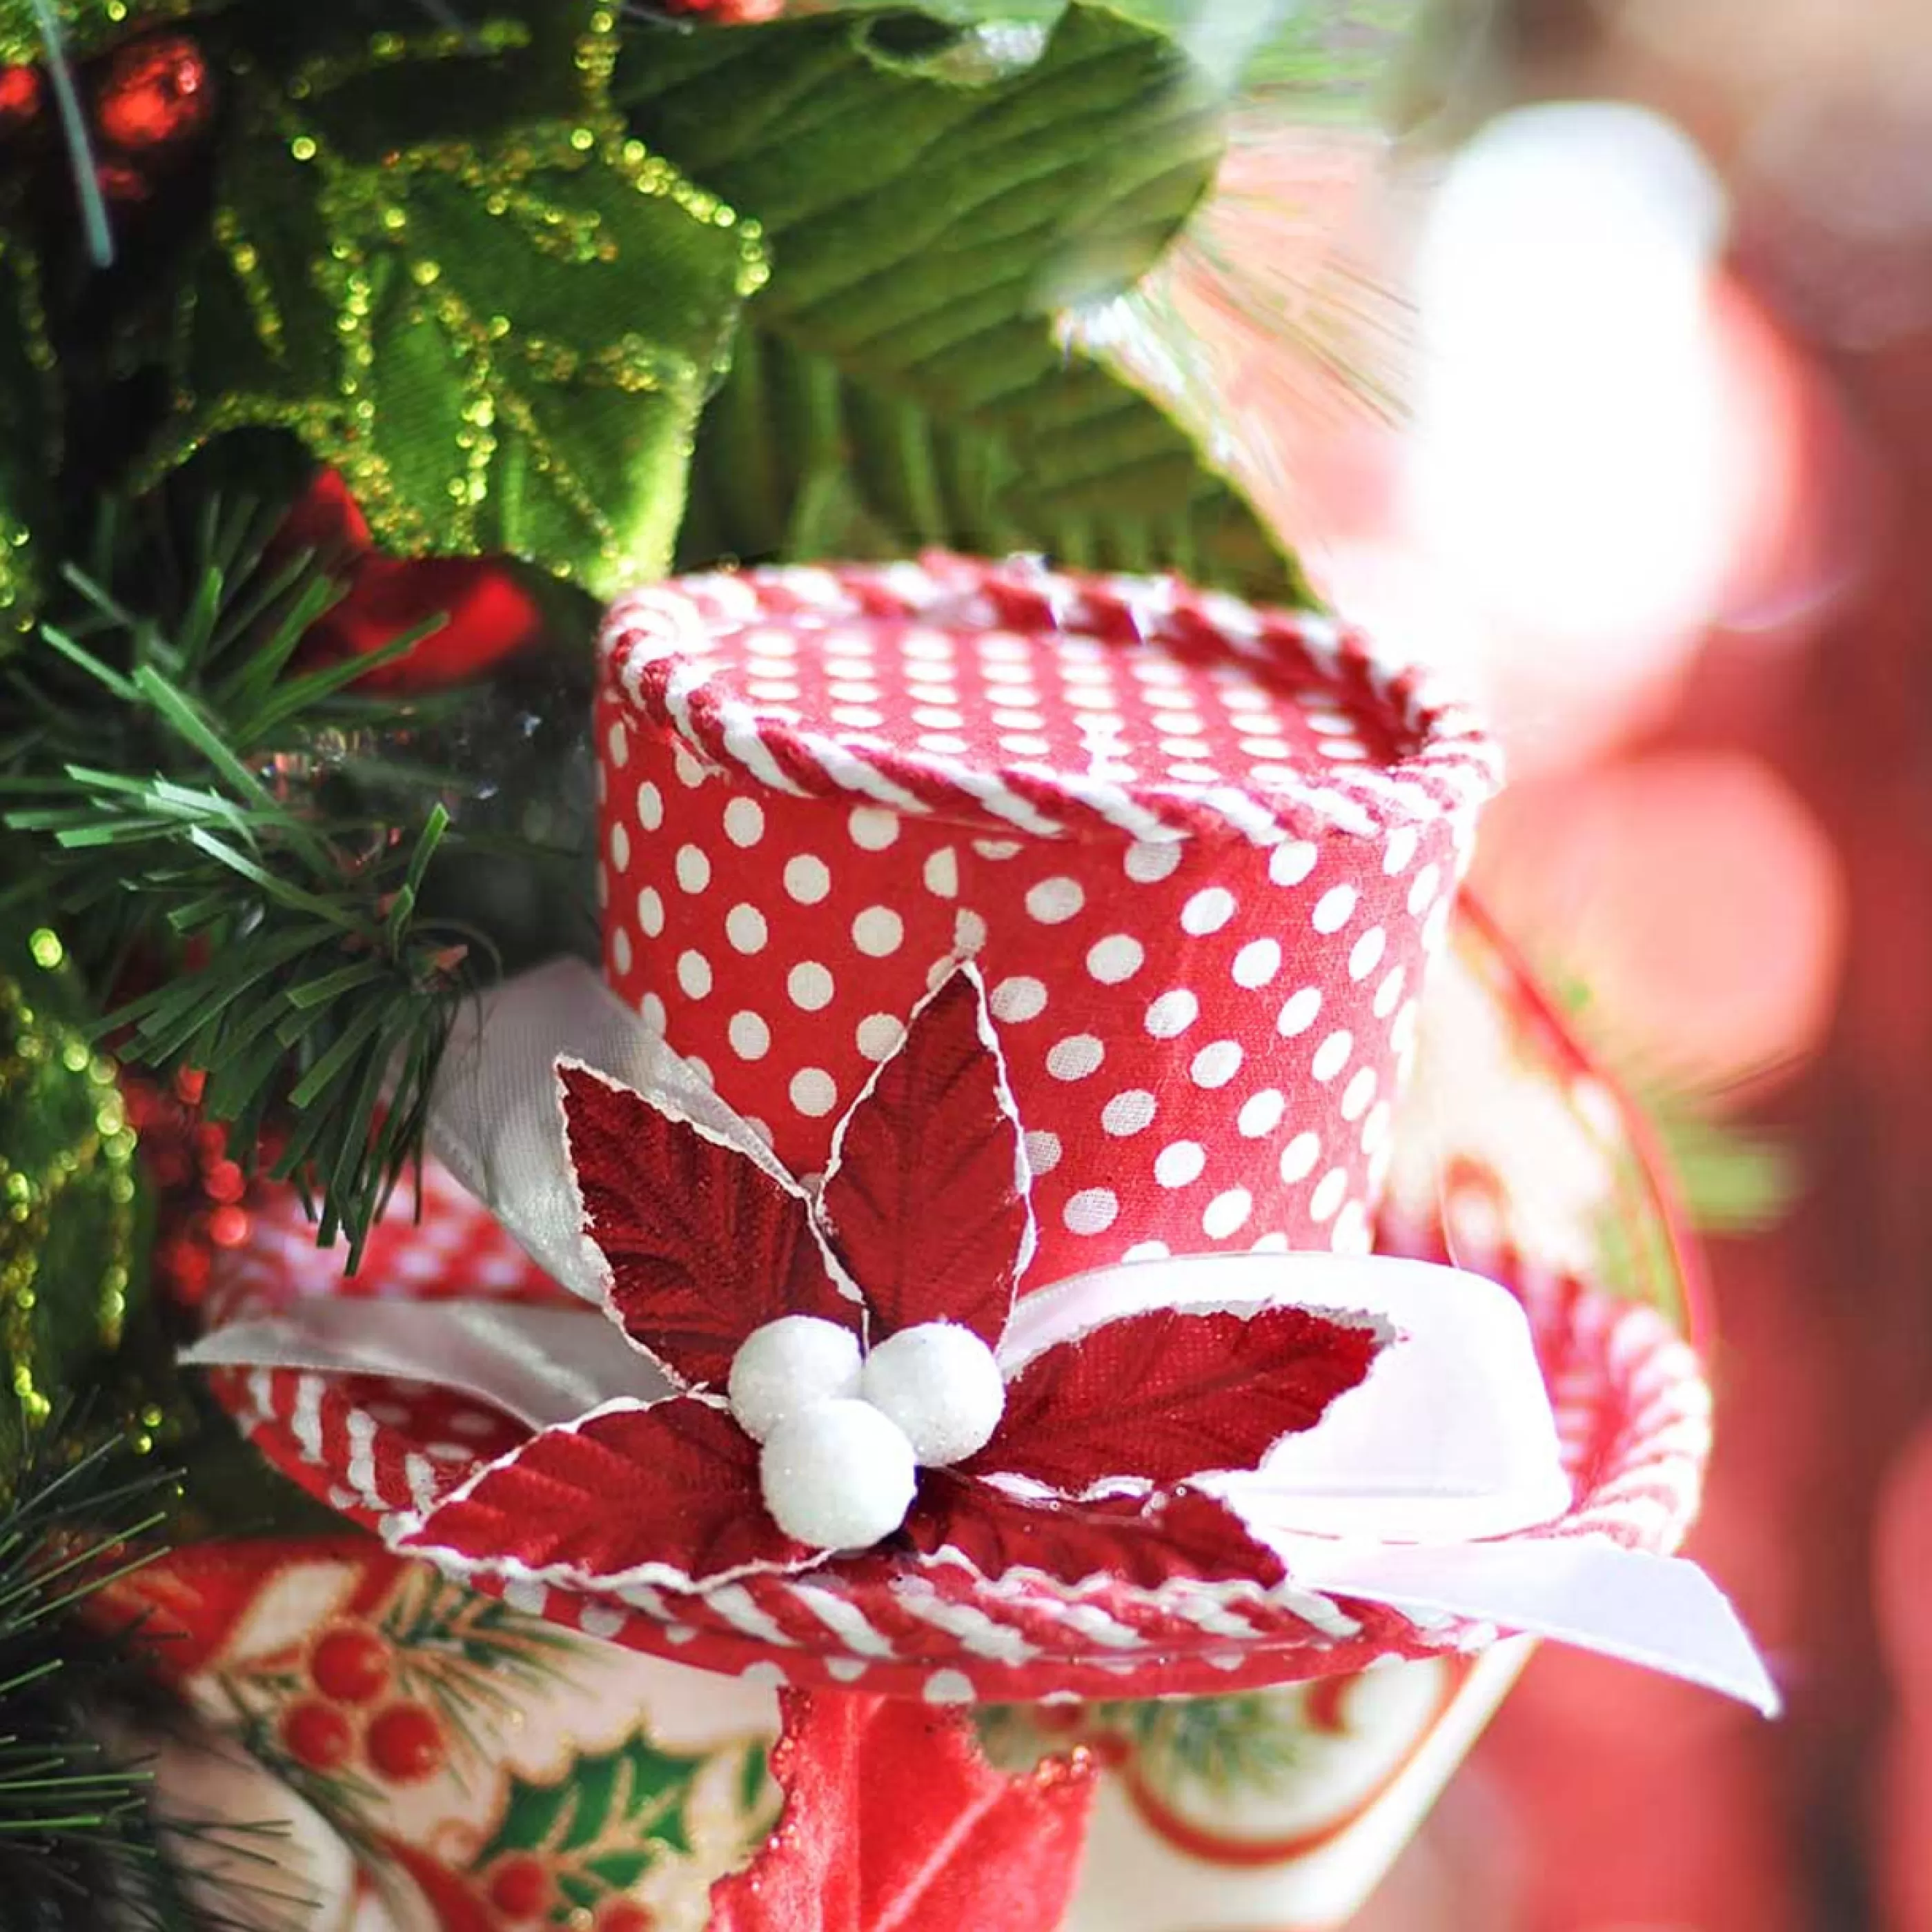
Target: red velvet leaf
{"x": 1144, "y": 1540}
{"x": 1171, "y": 1393}
{"x": 673, "y": 1484}
{"x": 894, "y": 1821}
{"x": 923, "y": 1195}
{"x": 703, "y": 1246}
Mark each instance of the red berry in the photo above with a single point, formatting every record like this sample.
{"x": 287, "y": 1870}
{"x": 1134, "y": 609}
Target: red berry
{"x": 520, "y": 1887}
{"x": 624, "y": 1915}
{"x": 20, "y": 94}
{"x": 406, "y": 1743}
{"x": 317, "y": 1734}
{"x": 351, "y": 1665}
{"x": 155, "y": 92}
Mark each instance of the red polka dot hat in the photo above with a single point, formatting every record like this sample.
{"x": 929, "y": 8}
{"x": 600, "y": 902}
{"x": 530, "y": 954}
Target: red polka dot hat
{"x": 1041, "y": 1069}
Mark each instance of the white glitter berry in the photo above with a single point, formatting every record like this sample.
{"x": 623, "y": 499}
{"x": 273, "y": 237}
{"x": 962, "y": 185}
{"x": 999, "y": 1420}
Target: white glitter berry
{"x": 788, "y": 1365}
{"x": 838, "y": 1476}
{"x": 940, "y": 1384}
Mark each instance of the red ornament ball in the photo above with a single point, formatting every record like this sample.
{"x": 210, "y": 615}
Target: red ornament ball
{"x": 317, "y": 1734}
{"x": 156, "y": 93}
{"x": 520, "y": 1888}
{"x": 22, "y": 92}
{"x": 351, "y": 1665}
{"x": 406, "y": 1743}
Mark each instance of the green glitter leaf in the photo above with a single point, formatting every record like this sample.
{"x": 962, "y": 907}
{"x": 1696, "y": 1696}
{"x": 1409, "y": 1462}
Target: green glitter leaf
{"x": 503, "y": 345}
{"x": 899, "y": 382}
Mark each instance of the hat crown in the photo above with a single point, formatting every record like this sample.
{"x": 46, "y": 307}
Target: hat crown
{"x": 1202, "y": 854}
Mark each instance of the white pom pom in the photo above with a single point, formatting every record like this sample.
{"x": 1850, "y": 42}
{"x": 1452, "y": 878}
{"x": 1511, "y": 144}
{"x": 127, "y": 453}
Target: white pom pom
{"x": 838, "y": 1476}
{"x": 788, "y": 1365}
{"x": 940, "y": 1383}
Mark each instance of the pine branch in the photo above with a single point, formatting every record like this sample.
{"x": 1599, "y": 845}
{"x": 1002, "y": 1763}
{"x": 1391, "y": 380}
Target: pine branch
{"x": 173, "y": 779}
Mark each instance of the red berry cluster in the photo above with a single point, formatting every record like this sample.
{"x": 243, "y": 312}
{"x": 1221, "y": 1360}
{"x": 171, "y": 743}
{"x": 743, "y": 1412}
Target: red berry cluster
{"x": 350, "y": 1665}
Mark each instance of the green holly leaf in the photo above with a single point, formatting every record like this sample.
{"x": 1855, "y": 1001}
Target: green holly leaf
{"x": 900, "y": 381}
{"x": 503, "y": 344}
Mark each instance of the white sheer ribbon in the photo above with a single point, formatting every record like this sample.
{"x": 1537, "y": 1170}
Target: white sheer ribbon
{"x": 1449, "y": 1440}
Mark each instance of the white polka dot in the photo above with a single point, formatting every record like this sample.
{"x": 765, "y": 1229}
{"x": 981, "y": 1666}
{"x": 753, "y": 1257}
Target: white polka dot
{"x": 1365, "y": 956}
{"x": 1043, "y": 1150}
{"x": 651, "y": 1011}
{"x": 1018, "y": 999}
{"x": 1053, "y": 901}
{"x": 1025, "y": 744}
{"x": 941, "y": 741}
{"x": 1179, "y": 1163}
{"x": 942, "y": 873}
{"x": 1257, "y": 962}
{"x": 1114, "y": 958}
{"x": 620, "y": 846}
{"x": 1215, "y": 1065}
{"x": 619, "y": 740}
{"x": 878, "y": 931}
{"x": 620, "y": 949}
{"x": 1297, "y": 1013}
{"x": 1128, "y": 1113}
{"x": 810, "y": 985}
{"x": 693, "y": 868}
{"x": 938, "y": 716}
{"x": 1388, "y": 995}
{"x": 1289, "y": 865}
{"x": 1332, "y": 911}
{"x": 694, "y": 973}
{"x": 1174, "y": 1013}
{"x": 1273, "y": 1244}
{"x": 1226, "y": 1213}
{"x": 650, "y": 806}
{"x": 691, "y": 773}
{"x": 858, "y": 717}
{"x": 879, "y": 1034}
{"x": 1375, "y": 1128}
{"x": 1435, "y": 927}
{"x": 1075, "y": 1057}
{"x": 1091, "y": 1211}
{"x": 872, "y": 828}
{"x": 807, "y": 879}
{"x": 1147, "y": 1251}
{"x": 813, "y": 1091}
{"x": 1423, "y": 888}
{"x": 1328, "y": 1192}
{"x": 1351, "y": 1235}
{"x": 745, "y": 927}
{"x": 1299, "y": 1156}
{"x": 1401, "y": 849}
{"x": 853, "y": 690}
{"x": 969, "y": 932}
{"x": 650, "y": 912}
{"x": 750, "y": 1038}
{"x": 1208, "y": 911}
{"x": 1401, "y": 1034}
{"x": 1145, "y": 864}
{"x": 1359, "y": 1092}
{"x": 997, "y": 848}
{"x": 1261, "y": 1113}
{"x": 1332, "y": 1055}
{"x": 744, "y": 821}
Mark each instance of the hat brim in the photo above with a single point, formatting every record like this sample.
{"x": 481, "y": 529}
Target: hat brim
{"x": 1514, "y": 1155}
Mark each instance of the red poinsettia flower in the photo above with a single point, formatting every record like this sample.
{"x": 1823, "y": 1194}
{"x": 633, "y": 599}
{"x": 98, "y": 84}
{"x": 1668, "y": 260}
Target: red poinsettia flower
{"x": 846, "y": 1371}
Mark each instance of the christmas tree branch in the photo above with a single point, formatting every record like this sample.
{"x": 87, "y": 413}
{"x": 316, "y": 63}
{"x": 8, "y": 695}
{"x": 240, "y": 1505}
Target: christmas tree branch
{"x": 175, "y": 785}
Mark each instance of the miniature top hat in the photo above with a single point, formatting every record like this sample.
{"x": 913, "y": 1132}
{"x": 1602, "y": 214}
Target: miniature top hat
{"x": 1017, "y": 963}
{"x": 1202, "y": 856}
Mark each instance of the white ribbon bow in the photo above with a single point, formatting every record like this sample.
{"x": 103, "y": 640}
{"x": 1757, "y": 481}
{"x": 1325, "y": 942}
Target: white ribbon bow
{"x": 1449, "y": 1440}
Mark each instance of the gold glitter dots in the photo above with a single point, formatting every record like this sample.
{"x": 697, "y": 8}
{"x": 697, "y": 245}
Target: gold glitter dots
{"x": 303, "y": 147}
{"x": 46, "y": 946}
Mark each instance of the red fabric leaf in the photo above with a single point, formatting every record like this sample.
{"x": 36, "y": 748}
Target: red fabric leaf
{"x": 1143, "y": 1540}
{"x": 703, "y": 1246}
{"x": 674, "y": 1484}
{"x": 923, "y": 1195}
{"x": 1171, "y": 1393}
{"x": 894, "y": 1821}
